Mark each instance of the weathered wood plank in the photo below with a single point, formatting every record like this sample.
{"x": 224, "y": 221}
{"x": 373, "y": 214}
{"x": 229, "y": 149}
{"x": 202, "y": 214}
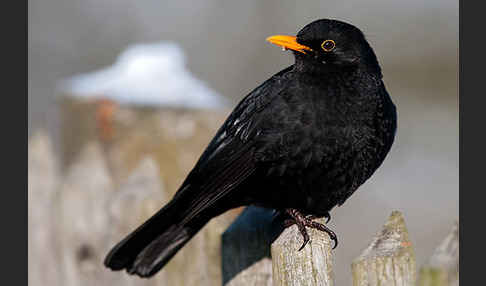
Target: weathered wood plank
{"x": 258, "y": 274}
{"x": 93, "y": 215}
{"x": 389, "y": 259}
{"x": 174, "y": 138}
{"x": 442, "y": 269}
{"x": 83, "y": 223}
{"x": 246, "y": 247}
{"x": 138, "y": 198}
{"x": 43, "y": 182}
{"x": 311, "y": 266}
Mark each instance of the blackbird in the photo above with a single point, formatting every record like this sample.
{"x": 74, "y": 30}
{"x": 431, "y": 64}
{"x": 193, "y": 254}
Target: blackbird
{"x": 301, "y": 143}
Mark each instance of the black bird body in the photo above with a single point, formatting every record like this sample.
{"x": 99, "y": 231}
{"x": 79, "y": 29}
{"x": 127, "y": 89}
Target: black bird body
{"x": 305, "y": 139}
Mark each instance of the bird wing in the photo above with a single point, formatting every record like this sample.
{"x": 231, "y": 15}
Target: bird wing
{"x": 229, "y": 158}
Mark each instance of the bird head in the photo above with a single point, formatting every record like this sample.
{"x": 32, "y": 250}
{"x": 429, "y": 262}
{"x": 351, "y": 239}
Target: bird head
{"x": 329, "y": 45}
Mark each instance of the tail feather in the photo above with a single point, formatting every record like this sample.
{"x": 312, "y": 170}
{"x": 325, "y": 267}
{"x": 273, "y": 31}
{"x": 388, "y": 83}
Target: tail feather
{"x": 147, "y": 249}
{"x": 160, "y": 251}
{"x": 154, "y": 243}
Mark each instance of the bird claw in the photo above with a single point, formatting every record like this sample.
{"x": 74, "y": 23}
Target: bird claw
{"x": 306, "y": 240}
{"x": 307, "y": 221}
{"x": 322, "y": 227}
{"x": 328, "y": 217}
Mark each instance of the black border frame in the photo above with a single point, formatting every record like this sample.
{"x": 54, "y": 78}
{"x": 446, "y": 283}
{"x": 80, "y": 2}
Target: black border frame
{"x": 15, "y": 138}
{"x": 472, "y": 141}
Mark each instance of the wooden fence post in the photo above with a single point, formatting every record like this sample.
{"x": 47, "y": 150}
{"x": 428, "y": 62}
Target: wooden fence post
{"x": 43, "y": 183}
{"x": 442, "y": 269}
{"x": 389, "y": 259}
{"x": 310, "y": 266}
{"x": 246, "y": 247}
{"x": 137, "y": 198}
{"x": 173, "y": 137}
{"x": 81, "y": 219}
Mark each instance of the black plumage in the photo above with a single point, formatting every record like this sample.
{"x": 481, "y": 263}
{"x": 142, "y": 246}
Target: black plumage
{"x": 302, "y": 142}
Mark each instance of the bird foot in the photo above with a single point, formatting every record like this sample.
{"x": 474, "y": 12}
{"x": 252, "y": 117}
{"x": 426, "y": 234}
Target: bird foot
{"x": 307, "y": 221}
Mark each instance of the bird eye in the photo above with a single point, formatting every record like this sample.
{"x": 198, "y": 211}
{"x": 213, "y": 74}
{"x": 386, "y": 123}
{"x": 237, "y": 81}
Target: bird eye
{"x": 328, "y": 45}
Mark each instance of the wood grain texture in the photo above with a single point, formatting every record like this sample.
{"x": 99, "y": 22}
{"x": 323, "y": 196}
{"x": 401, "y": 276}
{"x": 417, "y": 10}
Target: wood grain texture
{"x": 137, "y": 198}
{"x": 82, "y": 218}
{"x": 311, "y": 266}
{"x": 258, "y": 274}
{"x": 389, "y": 259}
{"x": 442, "y": 268}
{"x": 174, "y": 138}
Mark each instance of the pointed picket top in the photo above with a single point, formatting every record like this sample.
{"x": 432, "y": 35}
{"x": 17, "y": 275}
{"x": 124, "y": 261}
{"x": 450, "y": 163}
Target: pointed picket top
{"x": 393, "y": 238}
{"x": 135, "y": 200}
{"x": 447, "y": 253}
{"x": 142, "y": 194}
{"x": 389, "y": 259}
{"x": 442, "y": 267}
{"x": 82, "y": 216}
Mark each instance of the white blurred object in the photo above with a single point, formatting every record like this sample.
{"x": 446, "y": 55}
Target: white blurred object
{"x": 146, "y": 74}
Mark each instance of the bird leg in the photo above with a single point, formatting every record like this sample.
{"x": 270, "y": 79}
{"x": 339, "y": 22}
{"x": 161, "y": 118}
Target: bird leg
{"x": 306, "y": 221}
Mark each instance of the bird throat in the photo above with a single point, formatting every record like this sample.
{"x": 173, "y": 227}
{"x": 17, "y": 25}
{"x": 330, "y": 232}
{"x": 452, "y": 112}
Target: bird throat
{"x": 320, "y": 67}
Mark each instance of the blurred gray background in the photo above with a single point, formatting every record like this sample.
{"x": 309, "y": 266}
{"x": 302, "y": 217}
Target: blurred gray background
{"x": 416, "y": 43}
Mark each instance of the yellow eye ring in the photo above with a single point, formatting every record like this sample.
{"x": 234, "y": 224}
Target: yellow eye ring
{"x": 328, "y": 45}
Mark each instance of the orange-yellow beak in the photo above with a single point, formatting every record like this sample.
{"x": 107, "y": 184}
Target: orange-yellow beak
{"x": 288, "y": 42}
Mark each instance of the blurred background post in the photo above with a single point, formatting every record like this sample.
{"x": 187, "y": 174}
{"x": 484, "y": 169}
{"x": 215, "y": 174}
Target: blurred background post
{"x": 123, "y": 97}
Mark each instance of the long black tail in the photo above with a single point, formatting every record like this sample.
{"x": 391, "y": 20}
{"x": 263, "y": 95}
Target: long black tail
{"x": 147, "y": 249}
